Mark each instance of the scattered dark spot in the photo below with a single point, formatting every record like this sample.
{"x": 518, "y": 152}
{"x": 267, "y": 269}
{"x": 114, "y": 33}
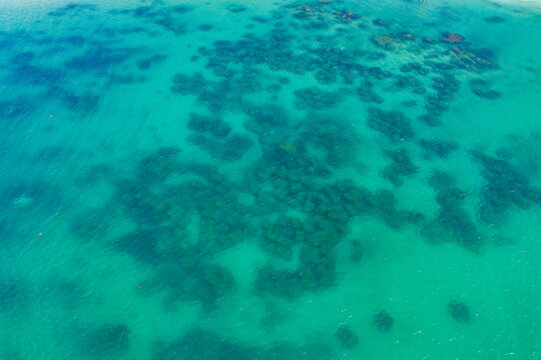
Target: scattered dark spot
{"x": 487, "y": 93}
{"x": 383, "y": 321}
{"x": 356, "y": 251}
{"x": 169, "y": 23}
{"x": 203, "y": 345}
{"x": 205, "y": 27}
{"x": 74, "y": 40}
{"x": 10, "y": 294}
{"x": 23, "y": 57}
{"x": 16, "y": 109}
{"x": 346, "y": 337}
{"x": 494, "y": 20}
{"x": 235, "y": 8}
{"x": 401, "y": 166}
{"x": 379, "y": 22}
{"x": 108, "y": 340}
{"x": 209, "y": 124}
{"x": 85, "y": 103}
{"x": 259, "y": 19}
{"x": 439, "y": 148}
{"x": 145, "y": 64}
{"x": 179, "y": 9}
{"x": 37, "y": 76}
{"x": 392, "y": 124}
{"x": 72, "y": 8}
{"x": 235, "y": 147}
{"x": 459, "y": 311}
{"x": 99, "y": 59}
{"x": 315, "y": 98}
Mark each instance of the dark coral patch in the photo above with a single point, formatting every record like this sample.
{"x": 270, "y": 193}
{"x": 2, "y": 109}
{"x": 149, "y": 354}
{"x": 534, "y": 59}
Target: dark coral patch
{"x": 506, "y": 187}
{"x": 100, "y": 58}
{"x": 204, "y": 345}
{"x": 383, "y": 321}
{"x": 16, "y": 109}
{"x": 205, "y": 27}
{"x": 451, "y": 38}
{"x": 212, "y": 125}
{"x": 71, "y": 8}
{"x": 23, "y": 57}
{"x": 459, "y": 311}
{"x": 346, "y": 337}
{"x": 146, "y": 63}
{"x": 315, "y": 98}
{"x": 440, "y": 148}
{"x": 401, "y": 166}
{"x": 235, "y": 8}
{"x": 37, "y": 76}
{"x": 494, "y": 20}
{"x": 108, "y": 340}
{"x": 392, "y": 124}
{"x": 488, "y": 94}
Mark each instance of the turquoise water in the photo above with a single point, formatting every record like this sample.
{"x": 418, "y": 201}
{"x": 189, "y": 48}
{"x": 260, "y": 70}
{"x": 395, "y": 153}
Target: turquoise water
{"x": 270, "y": 180}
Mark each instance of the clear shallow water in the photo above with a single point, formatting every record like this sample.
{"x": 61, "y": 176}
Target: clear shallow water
{"x": 270, "y": 180}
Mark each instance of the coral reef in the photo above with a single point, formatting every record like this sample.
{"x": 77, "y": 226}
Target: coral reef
{"x": 277, "y": 155}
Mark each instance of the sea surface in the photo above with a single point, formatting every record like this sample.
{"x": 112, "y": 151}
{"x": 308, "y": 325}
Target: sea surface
{"x": 270, "y": 180}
